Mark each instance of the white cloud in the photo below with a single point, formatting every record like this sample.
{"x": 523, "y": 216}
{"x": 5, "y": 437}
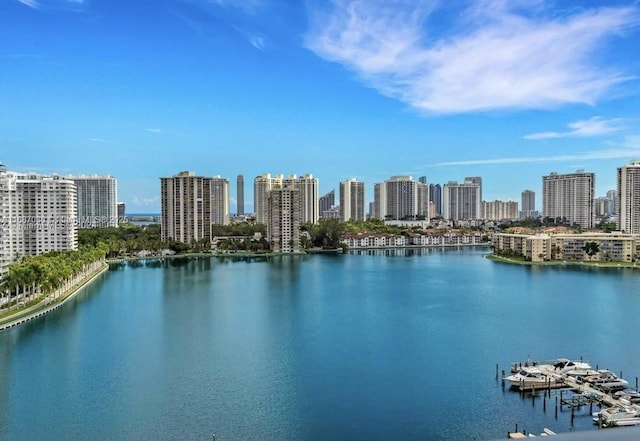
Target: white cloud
{"x": 595, "y": 126}
{"x": 257, "y": 42}
{"x": 497, "y": 55}
{"x": 152, "y": 130}
{"x": 146, "y": 201}
{"x": 31, "y": 3}
{"x": 630, "y": 148}
{"x": 98, "y": 140}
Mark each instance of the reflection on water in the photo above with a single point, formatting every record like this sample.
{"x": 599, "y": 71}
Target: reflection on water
{"x": 370, "y": 344}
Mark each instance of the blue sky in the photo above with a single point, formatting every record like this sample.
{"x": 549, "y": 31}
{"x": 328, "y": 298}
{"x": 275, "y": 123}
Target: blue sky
{"x": 508, "y": 90}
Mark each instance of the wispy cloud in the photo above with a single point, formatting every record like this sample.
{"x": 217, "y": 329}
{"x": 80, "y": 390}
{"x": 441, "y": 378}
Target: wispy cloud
{"x": 595, "y": 126}
{"x": 247, "y": 6}
{"x": 496, "y": 55}
{"x": 257, "y": 42}
{"x": 31, "y": 3}
{"x": 98, "y": 140}
{"x": 629, "y": 149}
{"x": 152, "y": 130}
{"x": 146, "y": 201}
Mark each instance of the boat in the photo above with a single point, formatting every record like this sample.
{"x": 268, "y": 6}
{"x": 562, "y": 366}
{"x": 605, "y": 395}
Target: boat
{"x": 631, "y": 396}
{"x": 566, "y": 366}
{"x": 606, "y": 381}
{"x": 530, "y": 377}
{"x": 617, "y": 416}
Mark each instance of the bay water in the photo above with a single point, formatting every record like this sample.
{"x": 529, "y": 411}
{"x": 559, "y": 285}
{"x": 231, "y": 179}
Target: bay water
{"x": 366, "y": 345}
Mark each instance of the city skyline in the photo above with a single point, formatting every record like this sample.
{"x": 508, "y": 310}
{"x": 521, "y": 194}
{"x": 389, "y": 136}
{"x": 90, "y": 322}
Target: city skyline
{"x": 140, "y": 91}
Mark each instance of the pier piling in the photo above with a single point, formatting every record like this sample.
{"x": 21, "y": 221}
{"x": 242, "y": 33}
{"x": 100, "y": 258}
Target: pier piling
{"x": 556, "y": 407}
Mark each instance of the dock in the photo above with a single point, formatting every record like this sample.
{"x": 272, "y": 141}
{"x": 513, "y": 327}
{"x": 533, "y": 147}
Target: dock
{"x": 583, "y": 393}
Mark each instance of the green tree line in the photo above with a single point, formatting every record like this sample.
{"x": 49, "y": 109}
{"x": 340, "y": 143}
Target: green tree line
{"x": 34, "y": 277}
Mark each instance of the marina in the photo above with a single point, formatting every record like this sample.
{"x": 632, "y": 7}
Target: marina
{"x": 587, "y": 387}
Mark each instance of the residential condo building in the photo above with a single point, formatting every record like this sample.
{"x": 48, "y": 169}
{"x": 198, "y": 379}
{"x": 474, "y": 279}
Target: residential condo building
{"x": 97, "y": 201}
{"x": 400, "y": 197}
{"x": 462, "y": 201}
{"x": 240, "y": 195}
{"x": 628, "y": 198}
{"x": 308, "y": 196}
{"x": 283, "y": 211}
{"x": 190, "y": 204}
{"x": 38, "y": 215}
{"x": 499, "y": 210}
{"x": 569, "y": 196}
{"x": 352, "y": 201}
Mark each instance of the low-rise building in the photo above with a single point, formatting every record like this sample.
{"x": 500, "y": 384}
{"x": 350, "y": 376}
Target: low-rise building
{"x": 606, "y": 247}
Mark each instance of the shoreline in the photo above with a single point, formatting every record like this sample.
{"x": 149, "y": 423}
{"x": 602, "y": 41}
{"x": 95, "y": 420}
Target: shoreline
{"x": 40, "y": 308}
{"x": 115, "y": 260}
{"x": 596, "y": 264}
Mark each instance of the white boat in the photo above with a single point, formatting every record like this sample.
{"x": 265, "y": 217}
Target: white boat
{"x": 629, "y": 395}
{"x": 529, "y": 377}
{"x": 617, "y": 415}
{"x": 606, "y": 380}
{"x": 566, "y": 366}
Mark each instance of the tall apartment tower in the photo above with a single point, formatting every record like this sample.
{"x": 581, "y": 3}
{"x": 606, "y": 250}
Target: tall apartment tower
{"x": 308, "y": 197}
{"x": 435, "y": 196}
{"x": 97, "y": 201}
{"x": 402, "y": 197}
{"x": 612, "y": 199}
{"x": 39, "y": 215}
{"x": 308, "y": 186}
{"x": 326, "y": 202}
{"x": 462, "y": 201}
{"x": 499, "y": 210}
{"x": 379, "y": 205}
{"x": 475, "y": 180}
{"x": 283, "y": 211}
{"x": 240, "y": 195}
{"x": 628, "y": 198}
{"x": 219, "y": 200}
{"x": 185, "y": 207}
{"x": 352, "y": 201}
{"x": 528, "y": 204}
{"x": 121, "y": 211}
{"x": 569, "y": 196}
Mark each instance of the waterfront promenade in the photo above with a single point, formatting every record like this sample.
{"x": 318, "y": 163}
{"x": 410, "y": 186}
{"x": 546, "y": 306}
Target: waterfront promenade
{"x": 48, "y": 304}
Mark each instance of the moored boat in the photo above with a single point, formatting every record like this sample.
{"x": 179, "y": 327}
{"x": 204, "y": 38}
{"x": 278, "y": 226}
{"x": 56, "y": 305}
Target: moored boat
{"x": 530, "y": 377}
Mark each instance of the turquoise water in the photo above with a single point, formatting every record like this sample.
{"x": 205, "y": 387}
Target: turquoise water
{"x": 363, "y": 346}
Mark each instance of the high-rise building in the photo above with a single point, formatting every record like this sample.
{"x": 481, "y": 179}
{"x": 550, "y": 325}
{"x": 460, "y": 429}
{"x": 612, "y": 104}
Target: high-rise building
{"x": 352, "y": 201}
{"x": 308, "y": 197}
{"x": 475, "y": 180}
{"x": 402, "y": 197}
{"x": 97, "y": 201}
{"x": 326, "y": 202}
{"x": 499, "y": 210}
{"x": 121, "y": 212}
{"x": 283, "y": 214}
{"x": 612, "y": 197}
{"x": 38, "y": 215}
{"x": 219, "y": 200}
{"x": 628, "y": 198}
{"x": 185, "y": 207}
{"x": 379, "y": 205}
{"x": 528, "y": 204}
{"x": 462, "y": 201}
{"x": 569, "y": 196}
{"x": 240, "y": 195}
{"x": 435, "y": 196}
